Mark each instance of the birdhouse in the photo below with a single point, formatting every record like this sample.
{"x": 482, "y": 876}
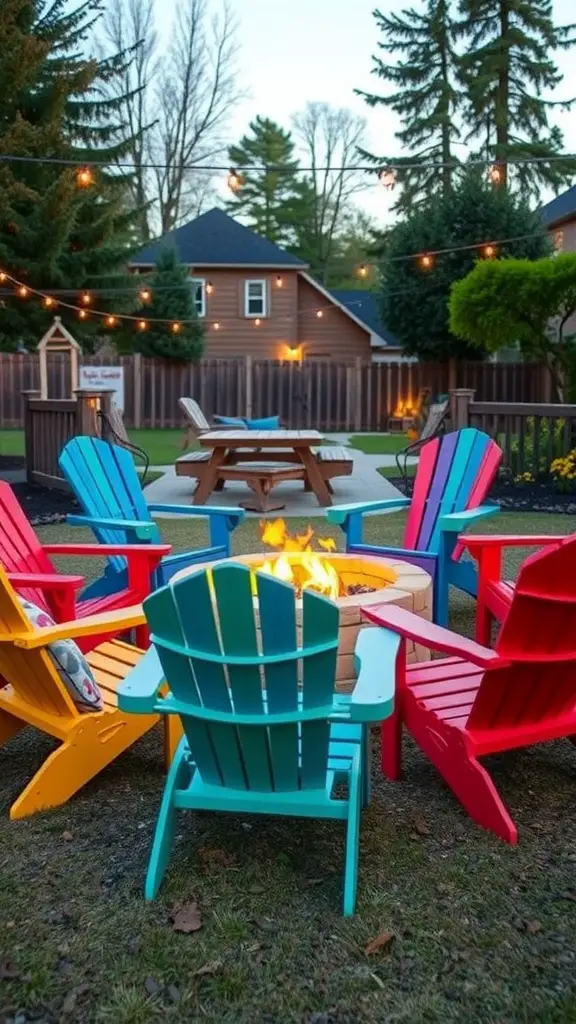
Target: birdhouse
{"x": 58, "y": 339}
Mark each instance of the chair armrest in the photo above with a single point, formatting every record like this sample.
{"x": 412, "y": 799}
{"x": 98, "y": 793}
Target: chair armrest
{"x": 412, "y": 627}
{"x": 138, "y": 693}
{"x": 455, "y": 522}
{"x": 150, "y": 551}
{"x": 117, "y": 621}
{"x": 53, "y": 581}
{"x": 497, "y": 541}
{"x": 139, "y": 530}
{"x": 375, "y": 658}
{"x": 340, "y": 513}
{"x": 234, "y": 515}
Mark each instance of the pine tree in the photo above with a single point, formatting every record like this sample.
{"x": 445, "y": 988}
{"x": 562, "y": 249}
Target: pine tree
{"x": 506, "y": 67}
{"x": 172, "y": 300}
{"x": 268, "y": 199}
{"x": 425, "y": 97}
{"x": 53, "y": 233}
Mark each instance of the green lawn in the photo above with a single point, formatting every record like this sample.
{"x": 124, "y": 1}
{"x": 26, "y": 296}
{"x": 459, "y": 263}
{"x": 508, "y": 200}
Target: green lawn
{"x": 379, "y": 444}
{"x": 162, "y": 446}
{"x": 392, "y": 471}
{"x": 484, "y": 933}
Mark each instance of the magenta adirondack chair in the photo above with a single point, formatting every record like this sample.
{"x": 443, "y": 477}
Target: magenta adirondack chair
{"x": 479, "y": 701}
{"x": 454, "y": 476}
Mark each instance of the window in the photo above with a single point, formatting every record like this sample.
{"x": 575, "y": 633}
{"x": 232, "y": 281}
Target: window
{"x": 255, "y": 298}
{"x": 199, "y": 295}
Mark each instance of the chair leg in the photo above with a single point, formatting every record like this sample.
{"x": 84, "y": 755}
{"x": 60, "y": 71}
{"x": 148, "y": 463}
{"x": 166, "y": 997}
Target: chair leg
{"x": 353, "y": 835}
{"x": 483, "y": 624}
{"x": 94, "y": 743}
{"x": 446, "y": 748}
{"x": 391, "y": 739}
{"x": 9, "y": 726}
{"x": 178, "y": 778}
{"x": 367, "y": 765}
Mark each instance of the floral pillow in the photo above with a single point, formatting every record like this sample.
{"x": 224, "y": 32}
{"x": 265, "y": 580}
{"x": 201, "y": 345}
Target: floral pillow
{"x": 69, "y": 662}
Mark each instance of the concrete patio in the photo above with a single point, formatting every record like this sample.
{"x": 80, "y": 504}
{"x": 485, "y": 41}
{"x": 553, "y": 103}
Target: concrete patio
{"x": 364, "y": 484}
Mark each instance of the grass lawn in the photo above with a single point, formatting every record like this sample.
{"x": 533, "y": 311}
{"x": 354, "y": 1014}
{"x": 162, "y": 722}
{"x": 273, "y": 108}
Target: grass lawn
{"x": 484, "y": 933}
{"x": 162, "y": 446}
{"x": 379, "y": 444}
{"x": 392, "y": 471}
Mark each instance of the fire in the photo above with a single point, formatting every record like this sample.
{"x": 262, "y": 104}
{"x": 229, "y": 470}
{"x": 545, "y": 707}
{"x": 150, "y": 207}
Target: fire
{"x": 299, "y": 564}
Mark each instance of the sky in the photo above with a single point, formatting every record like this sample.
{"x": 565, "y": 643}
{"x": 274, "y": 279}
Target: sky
{"x": 295, "y": 51}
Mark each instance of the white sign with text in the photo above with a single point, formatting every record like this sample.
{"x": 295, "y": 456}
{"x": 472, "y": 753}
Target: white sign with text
{"x": 105, "y": 378}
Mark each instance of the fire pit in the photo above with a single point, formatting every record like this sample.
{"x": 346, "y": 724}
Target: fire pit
{"x": 353, "y": 581}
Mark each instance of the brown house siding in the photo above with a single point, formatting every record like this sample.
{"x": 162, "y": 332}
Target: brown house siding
{"x": 335, "y": 335}
{"x": 238, "y": 335}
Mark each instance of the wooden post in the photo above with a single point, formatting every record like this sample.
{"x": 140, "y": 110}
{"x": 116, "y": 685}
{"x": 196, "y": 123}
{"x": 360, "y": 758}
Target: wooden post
{"x": 358, "y": 393}
{"x": 29, "y": 453}
{"x": 460, "y": 399}
{"x": 137, "y": 389}
{"x": 89, "y": 405}
{"x": 249, "y": 385}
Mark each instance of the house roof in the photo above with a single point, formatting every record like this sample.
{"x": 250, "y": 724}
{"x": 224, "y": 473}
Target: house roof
{"x": 559, "y": 209}
{"x": 214, "y": 239}
{"x": 365, "y": 307}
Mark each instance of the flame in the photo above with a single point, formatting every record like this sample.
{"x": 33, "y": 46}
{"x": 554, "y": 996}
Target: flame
{"x": 299, "y": 564}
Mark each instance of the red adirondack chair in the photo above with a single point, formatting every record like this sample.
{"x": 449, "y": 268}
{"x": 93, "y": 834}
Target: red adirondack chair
{"x": 479, "y": 701}
{"x": 34, "y": 576}
{"x": 495, "y": 594}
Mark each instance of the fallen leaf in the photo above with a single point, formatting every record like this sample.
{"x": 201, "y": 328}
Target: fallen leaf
{"x": 533, "y": 926}
{"x": 173, "y": 994}
{"x": 9, "y": 971}
{"x": 210, "y": 968}
{"x": 421, "y": 828}
{"x": 151, "y": 986}
{"x": 67, "y": 836}
{"x": 381, "y": 941}
{"x": 378, "y": 980}
{"x": 186, "y": 918}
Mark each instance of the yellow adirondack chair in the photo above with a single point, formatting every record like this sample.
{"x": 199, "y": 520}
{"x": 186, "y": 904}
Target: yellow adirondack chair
{"x": 34, "y": 694}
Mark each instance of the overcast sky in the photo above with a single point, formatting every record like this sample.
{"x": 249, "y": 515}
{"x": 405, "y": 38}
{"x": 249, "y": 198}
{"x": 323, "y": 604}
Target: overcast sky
{"x": 293, "y": 51}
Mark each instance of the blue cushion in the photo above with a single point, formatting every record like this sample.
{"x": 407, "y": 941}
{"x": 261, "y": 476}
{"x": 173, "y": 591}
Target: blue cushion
{"x": 230, "y": 421}
{"x": 268, "y": 423}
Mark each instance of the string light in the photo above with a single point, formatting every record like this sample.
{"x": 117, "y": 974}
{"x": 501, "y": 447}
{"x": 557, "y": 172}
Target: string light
{"x": 257, "y": 322}
{"x": 279, "y": 281}
{"x": 82, "y": 314}
{"x": 489, "y": 251}
{"x": 85, "y": 298}
{"x": 142, "y": 325}
{"x": 235, "y": 180}
{"x": 216, "y": 326}
{"x": 495, "y": 174}
{"x": 363, "y": 270}
{"x": 110, "y": 321}
{"x": 209, "y": 288}
{"x": 3, "y": 276}
{"x": 145, "y": 295}
{"x": 319, "y": 314}
{"x": 23, "y": 291}
{"x": 175, "y": 328}
{"x": 426, "y": 261}
{"x": 388, "y": 177}
{"x": 84, "y": 177}
{"x": 48, "y": 301}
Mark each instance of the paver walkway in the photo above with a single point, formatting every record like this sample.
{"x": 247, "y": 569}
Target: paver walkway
{"x": 365, "y": 484}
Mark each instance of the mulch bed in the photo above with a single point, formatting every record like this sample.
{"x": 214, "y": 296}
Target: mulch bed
{"x": 42, "y": 505}
{"x": 537, "y": 497}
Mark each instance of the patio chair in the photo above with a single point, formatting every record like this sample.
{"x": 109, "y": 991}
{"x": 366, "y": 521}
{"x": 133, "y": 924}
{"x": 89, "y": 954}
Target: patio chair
{"x": 478, "y": 701}
{"x": 434, "y": 425}
{"x": 264, "y": 733}
{"x": 33, "y": 574}
{"x": 33, "y": 694}
{"x": 104, "y": 479}
{"x": 454, "y": 475}
{"x": 115, "y": 430}
{"x": 197, "y": 424}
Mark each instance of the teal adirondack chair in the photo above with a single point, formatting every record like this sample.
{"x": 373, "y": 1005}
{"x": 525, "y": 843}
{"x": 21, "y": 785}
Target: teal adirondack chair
{"x": 264, "y": 730}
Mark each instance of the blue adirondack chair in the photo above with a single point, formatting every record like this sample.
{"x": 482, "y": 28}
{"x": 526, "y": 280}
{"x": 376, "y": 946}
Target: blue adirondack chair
{"x": 277, "y": 748}
{"x": 454, "y": 475}
{"x": 104, "y": 479}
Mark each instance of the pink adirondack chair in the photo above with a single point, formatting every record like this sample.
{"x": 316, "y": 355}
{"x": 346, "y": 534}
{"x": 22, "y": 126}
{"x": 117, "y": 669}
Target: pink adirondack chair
{"x": 479, "y": 701}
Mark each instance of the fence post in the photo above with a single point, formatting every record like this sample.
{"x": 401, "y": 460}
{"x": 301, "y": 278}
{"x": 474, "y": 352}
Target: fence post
{"x": 460, "y": 399}
{"x": 88, "y": 405}
{"x": 358, "y": 393}
{"x": 137, "y": 389}
{"x": 249, "y": 384}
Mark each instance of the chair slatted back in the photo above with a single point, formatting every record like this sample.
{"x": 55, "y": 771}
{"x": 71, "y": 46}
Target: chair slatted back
{"x": 31, "y": 673}
{"x": 194, "y": 415}
{"x": 20, "y": 548}
{"x": 539, "y": 639}
{"x": 104, "y": 479}
{"x": 454, "y": 474}
{"x": 437, "y": 413}
{"x": 239, "y": 654}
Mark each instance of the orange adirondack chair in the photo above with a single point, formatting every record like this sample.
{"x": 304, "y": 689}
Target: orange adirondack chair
{"x": 479, "y": 701}
{"x": 34, "y": 694}
{"x": 34, "y": 575}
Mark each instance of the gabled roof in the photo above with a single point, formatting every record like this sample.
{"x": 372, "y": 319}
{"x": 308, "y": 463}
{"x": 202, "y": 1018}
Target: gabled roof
{"x": 559, "y": 209}
{"x": 216, "y": 240}
{"x": 365, "y": 307}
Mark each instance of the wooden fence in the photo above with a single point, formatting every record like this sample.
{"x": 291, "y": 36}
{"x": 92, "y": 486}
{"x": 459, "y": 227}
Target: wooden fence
{"x": 320, "y": 394}
{"x": 531, "y": 434}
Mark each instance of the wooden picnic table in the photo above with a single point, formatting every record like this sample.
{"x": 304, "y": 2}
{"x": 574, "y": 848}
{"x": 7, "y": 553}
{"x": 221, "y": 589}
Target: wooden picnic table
{"x": 231, "y": 447}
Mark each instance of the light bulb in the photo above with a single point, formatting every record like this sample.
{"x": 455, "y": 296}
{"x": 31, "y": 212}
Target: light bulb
{"x": 3, "y": 276}
{"x": 209, "y": 288}
{"x": 82, "y": 314}
{"x": 426, "y": 262}
{"x": 23, "y": 292}
{"x": 145, "y": 295}
{"x": 279, "y": 281}
{"x": 489, "y": 251}
{"x": 362, "y": 270}
{"x": 216, "y": 326}
{"x": 235, "y": 180}
{"x": 49, "y": 301}
{"x": 84, "y": 177}
{"x": 319, "y": 314}
{"x": 257, "y": 322}
{"x": 142, "y": 325}
{"x": 110, "y": 321}
{"x": 85, "y": 298}
{"x": 495, "y": 174}
{"x": 175, "y": 327}
{"x": 388, "y": 177}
